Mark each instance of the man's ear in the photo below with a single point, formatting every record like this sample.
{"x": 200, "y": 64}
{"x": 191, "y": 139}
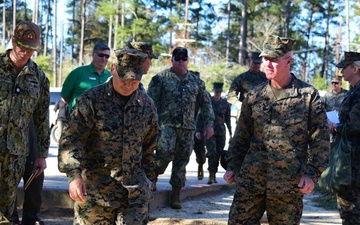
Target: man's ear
{"x": 113, "y": 69}
{"x": 289, "y": 60}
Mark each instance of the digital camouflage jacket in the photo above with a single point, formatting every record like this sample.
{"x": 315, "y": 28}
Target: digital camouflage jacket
{"x": 23, "y": 96}
{"x": 111, "y": 145}
{"x": 277, "y": 141}
{"x": 176, "y": 100}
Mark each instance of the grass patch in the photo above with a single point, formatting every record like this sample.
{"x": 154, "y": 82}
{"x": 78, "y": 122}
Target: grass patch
{"x": 325, "y": 199}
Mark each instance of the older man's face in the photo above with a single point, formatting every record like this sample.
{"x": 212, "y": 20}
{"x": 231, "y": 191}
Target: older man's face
{"x": 277, "y": 68}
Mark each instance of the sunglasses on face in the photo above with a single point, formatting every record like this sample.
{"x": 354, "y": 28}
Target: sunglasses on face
{"x": 334, "y": 83}
{"x": 178, "y": 58}
{"x": 102, "y": 55}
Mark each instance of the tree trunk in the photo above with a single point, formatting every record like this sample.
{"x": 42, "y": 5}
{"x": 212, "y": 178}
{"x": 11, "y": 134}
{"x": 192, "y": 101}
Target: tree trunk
{"x": 122, "y": 22}
{"x": 116, "y": 22}
{"x": 14, "y": 14}
{"x": 82, "y": 32}
{"x": 324, "y": 67}
{"x": 3, "y": 26}
{"x": 54, "y": 44}
{"x": 110, "y": 27}
{"x": 243, "y": 32}
{"x": 287, "y": 18}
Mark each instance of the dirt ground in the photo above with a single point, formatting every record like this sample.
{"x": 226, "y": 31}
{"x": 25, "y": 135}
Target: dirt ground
{"x": 209, "y": 210}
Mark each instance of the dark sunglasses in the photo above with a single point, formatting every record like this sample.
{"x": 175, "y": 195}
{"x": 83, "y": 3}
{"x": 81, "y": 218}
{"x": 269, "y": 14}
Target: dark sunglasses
{"x": 178, "y": 58}
{"x": 336, "y": 83}
{"x": 102, "y": 55}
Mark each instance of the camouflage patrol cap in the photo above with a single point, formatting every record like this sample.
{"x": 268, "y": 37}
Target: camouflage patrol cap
{"x": 177, "y": 51}
{"x": 348, "y": 58}
{"x": 276, "y": 46}
{"x": 27, "y": 35}
{"x": 145, "y": 47}
{"x": 336, "y": 79}
{"x": 255, "y": 57}
{"x": 130, "y": 63}
{"x": 218, "y": 86}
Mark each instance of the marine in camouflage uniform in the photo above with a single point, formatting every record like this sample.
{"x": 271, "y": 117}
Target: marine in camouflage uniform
{"x": 107, "y": 149}
{"x": 176, "y": 95}
{"x": 243, "y": 83}
{"x": 24, "y": 94}
{"x": 349, "y": 117}
{"x": 334, "y": 97}
{"x": 280, "y": 145}
{"x": 199, "y": 142}
{"x": 215, "y": 144}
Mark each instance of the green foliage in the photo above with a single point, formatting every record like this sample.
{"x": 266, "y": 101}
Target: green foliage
{"x": 320, "y": 83}
{"x": 45, "y": 63}
{"x": 161, "y": 22}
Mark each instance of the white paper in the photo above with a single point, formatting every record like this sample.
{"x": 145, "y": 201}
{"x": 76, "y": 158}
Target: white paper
{"x": 333, "y": 116}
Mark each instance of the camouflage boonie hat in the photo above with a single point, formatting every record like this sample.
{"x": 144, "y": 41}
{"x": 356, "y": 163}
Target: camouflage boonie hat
{"x": 348, "y": 58}
{"x": 276, "y": 46}
{"x": 145, "y": 47}
{"x": 130, "y": 63}
{"x": 27, "y": 35}
{"x": 336, "y": 79}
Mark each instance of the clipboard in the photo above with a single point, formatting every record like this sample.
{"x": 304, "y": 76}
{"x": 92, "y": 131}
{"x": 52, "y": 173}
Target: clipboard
{"x": 31, "y": 178}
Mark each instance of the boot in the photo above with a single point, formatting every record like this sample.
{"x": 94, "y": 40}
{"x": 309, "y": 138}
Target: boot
{"x": 175, "y": 197}
{"x": 153, "y": 184}
{"x": 200, "y": 172}
{"x": 212, "y": 178}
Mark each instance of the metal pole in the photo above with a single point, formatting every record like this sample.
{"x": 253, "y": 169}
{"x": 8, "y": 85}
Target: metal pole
{"x": 54, "y": 44}
{"x": 61, "y": 52}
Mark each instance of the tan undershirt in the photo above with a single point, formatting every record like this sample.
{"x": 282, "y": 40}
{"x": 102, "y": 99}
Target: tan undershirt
{"x": 276, "y": 92}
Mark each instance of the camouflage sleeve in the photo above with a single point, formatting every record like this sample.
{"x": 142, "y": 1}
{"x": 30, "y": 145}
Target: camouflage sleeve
{"x": 228, "y": 118}
{"x": 199, "y": 122}
{"x": 319, "y": 139}
{"x": 352, "y": 126}
{"x": 149, "y": 146}
{"x": 73, "y": 139}
{"x": 240, "y": 143}
{"x": 41, "y": 117}
{"x": 206, "y": 106}
{"x": 232, "y": 96}
{"x": 154, "y": 89}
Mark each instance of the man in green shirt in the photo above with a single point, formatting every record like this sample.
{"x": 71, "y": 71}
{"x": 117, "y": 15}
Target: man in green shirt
{"x": 85, "y": 77}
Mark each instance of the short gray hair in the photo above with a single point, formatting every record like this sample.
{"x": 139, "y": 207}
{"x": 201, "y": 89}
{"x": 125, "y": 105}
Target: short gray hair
{"x": 357, "y": 64}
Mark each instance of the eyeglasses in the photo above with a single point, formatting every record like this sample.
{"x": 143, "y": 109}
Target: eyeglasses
{"x": 178, "y": 58}
{"x": 334, "y": 83}
{"x": 102, "y": 55}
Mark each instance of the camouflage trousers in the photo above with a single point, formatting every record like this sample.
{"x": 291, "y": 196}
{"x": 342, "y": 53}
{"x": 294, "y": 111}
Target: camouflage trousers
{"x": 174, "y": 145}
{"x": 127, "y": 214}
{"x": 215, "y": 147}
{"x": 349, "y": 206}
{"x": 12, "y": 168}
{"x": 199, "y": 149}
{"x": 248, "y": 209}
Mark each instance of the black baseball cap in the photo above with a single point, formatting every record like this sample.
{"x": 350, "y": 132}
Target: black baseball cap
{"x": 180, "y": 50}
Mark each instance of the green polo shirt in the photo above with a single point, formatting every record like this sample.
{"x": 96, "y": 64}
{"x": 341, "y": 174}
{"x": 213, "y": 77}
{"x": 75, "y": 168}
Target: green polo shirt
{"x": 81, "y": 79}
